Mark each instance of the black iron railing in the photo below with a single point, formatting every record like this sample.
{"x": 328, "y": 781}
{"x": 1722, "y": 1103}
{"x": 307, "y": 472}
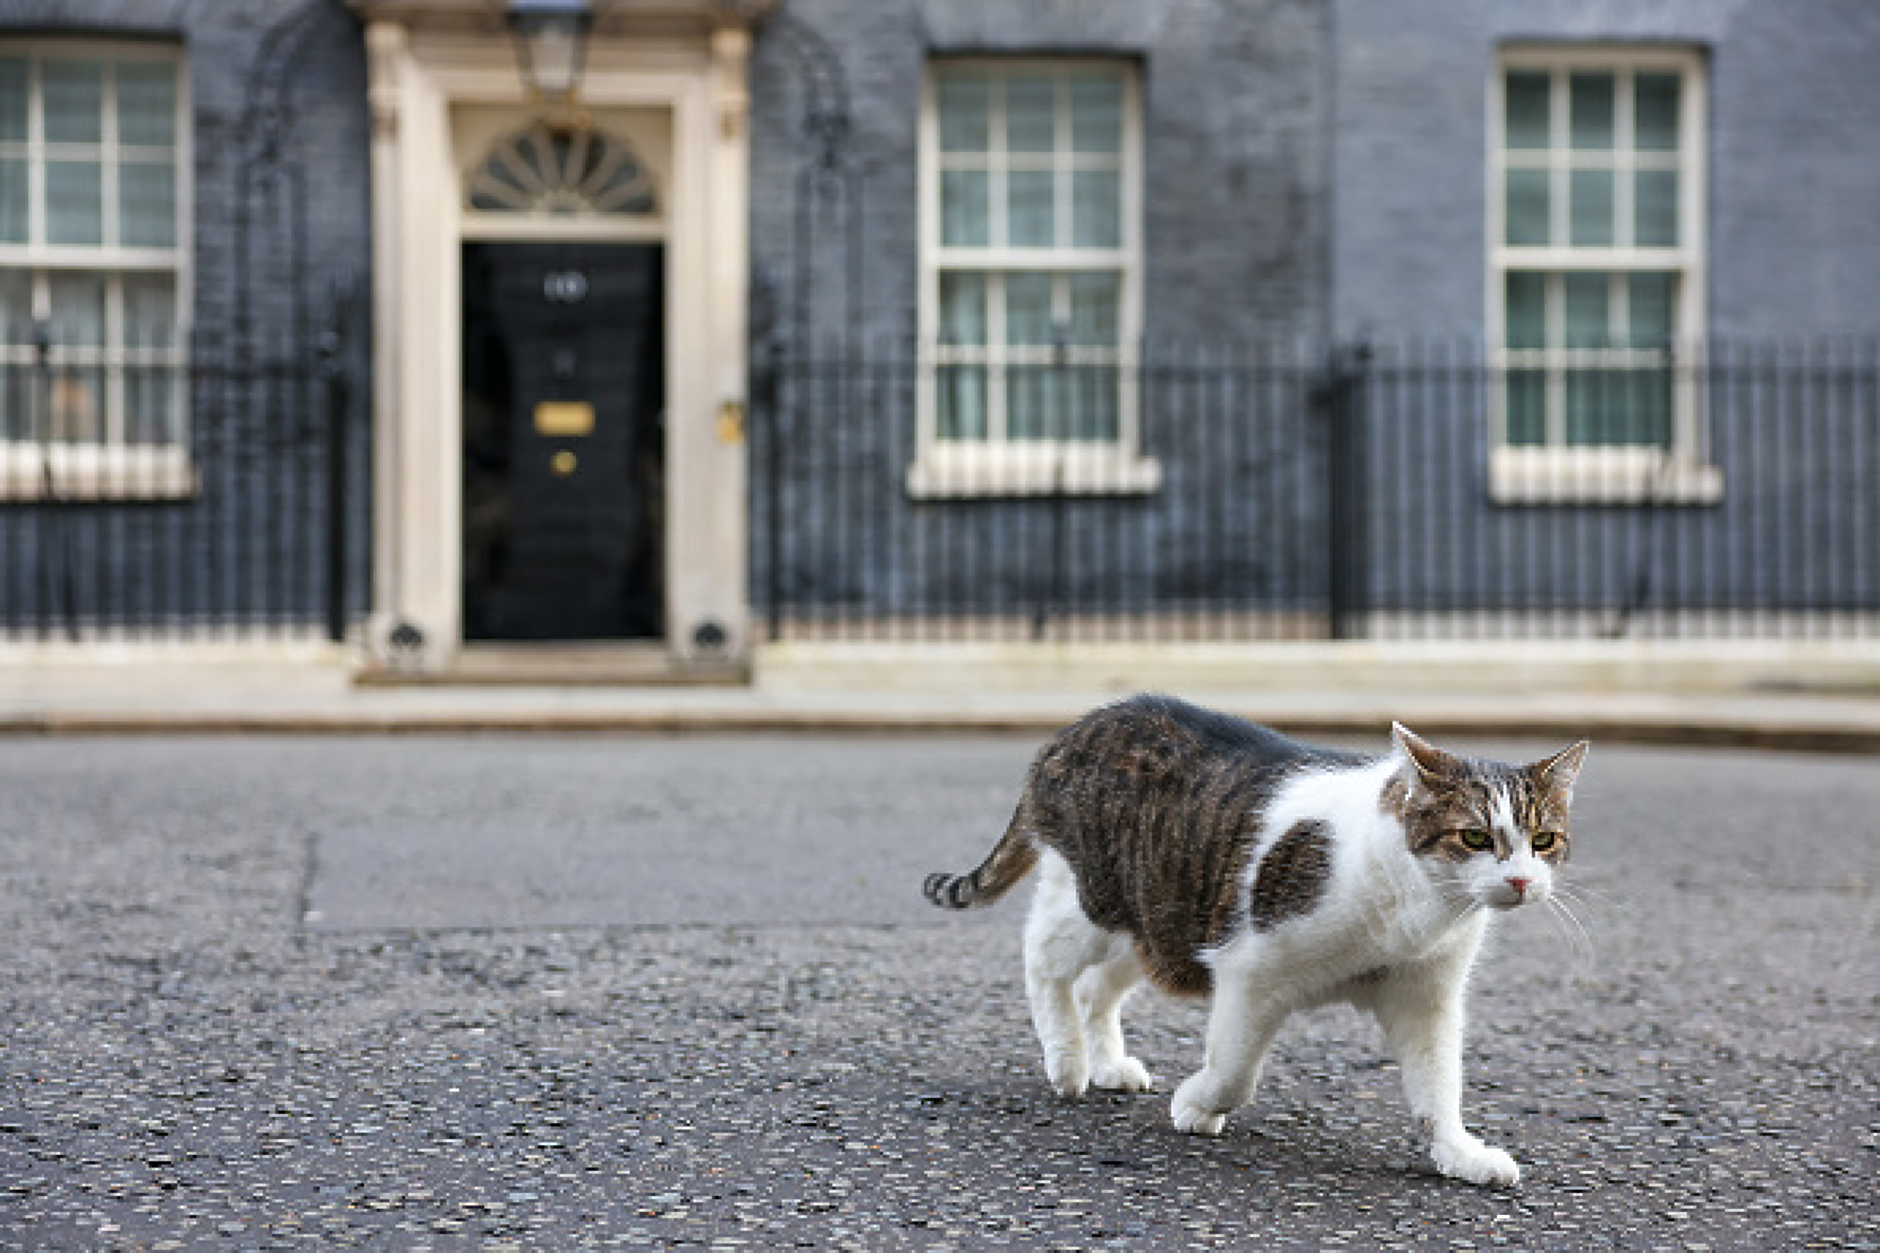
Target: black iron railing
{"x": 1389, "y": 491}
{"x": 150, "y": 499}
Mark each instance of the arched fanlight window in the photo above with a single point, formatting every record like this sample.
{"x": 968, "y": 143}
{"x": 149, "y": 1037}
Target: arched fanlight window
{"x": 570, "y": 171}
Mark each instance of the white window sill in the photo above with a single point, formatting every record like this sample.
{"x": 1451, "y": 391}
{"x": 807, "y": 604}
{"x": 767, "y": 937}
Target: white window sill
{"x": 969, "y": 472}
{"x": 93, "y": 473}
{"x": 1600, "y": 476}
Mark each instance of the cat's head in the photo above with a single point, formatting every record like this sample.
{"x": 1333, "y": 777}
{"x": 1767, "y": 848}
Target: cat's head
{"x": 1495, "y": 832}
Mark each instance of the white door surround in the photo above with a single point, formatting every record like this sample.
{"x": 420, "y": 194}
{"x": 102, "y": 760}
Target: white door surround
{"x": 671, "y": 79}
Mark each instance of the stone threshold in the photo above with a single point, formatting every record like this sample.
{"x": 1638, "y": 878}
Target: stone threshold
{"x": 557, "y": 664}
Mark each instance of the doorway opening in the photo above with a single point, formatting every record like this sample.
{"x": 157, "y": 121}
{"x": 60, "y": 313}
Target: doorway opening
{"x": 563, "y": 441}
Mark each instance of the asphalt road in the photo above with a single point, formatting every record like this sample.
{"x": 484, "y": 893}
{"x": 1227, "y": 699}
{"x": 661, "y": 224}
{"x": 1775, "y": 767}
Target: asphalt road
{"x": 554, "y": 994}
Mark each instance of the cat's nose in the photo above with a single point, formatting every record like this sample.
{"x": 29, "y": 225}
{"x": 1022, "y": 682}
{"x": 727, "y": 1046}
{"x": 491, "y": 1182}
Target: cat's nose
{"x": 1519, "y": 885}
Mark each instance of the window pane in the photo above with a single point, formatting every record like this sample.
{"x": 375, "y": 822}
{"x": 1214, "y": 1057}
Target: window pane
{"x": 1096, "y": 115}
{"x": 1527, "y": 208}
{"x": 153, "y": 407}
{"x": 1650, "y": 310}
{"x": 1527, "y": 407}
{"x": 961, "y": 396}
{"x": 1094, "y": 302}
{"x": 1655, "y": 223}
{"x": 146, "y": 205}
{"x": 1072, "y": 403}
{"x": 1656, "y": 127}
{"x": 1035, "y": 404}
{"x": 1526, "y": 110}
{"x": 1031, "y": 218}
{"x": 1028, "y": 313}
{"x": 13, "y": 191}
{"x": 1591, "y": 111}
{"x": 16, "y": 307}
{"x": 1589, "y": 398}
{"x": 12, "y": 100}
{"x": 1589, "y": 305}
{"x": 74, "y": 101}
{"x": 77, "y": 404}
{"x": 146, "y": 104}
{"x": 78, "y": 318}
{"x": 1096, "y": 209}
{"x": 78, "y": 308}
{"x": 962, "y": 308}
{"x": 74, "y": 203}
{"x": 1075, "y": 403}
{"x": 1030, "y": 115}
{"x": 1623, "y": 407}
{"x": 1590, "y": 195}
{"x": 1642, "y": 408}
{"x": 964, "y": 102}
{"x": 964, "y": 208}
{"x": 16, "y": 327}
{"x": 149, "y": 310}
{"x": 1526, "y": 310}
{"x": 153, "y": 394}
{"x": 1094, "y": 410}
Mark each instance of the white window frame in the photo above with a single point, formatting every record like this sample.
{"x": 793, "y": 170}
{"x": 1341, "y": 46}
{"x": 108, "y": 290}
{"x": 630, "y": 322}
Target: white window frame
{"x": 995, "y": 466}
{"x": 1554, "y": 473}
{"x": 106, "y": 469}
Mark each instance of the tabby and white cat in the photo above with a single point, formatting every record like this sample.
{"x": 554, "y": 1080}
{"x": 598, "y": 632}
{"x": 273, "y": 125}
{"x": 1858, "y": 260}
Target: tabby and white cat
{"x": 1215, "y": 856}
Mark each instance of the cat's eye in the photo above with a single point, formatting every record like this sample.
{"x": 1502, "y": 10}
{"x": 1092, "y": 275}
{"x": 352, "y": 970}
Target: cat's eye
{"x": 1543, "y": 841}
{"x": 1475, "y": 839}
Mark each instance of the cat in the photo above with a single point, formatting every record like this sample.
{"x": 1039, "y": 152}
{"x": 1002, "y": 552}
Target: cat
{"x": 1216, "y": 857}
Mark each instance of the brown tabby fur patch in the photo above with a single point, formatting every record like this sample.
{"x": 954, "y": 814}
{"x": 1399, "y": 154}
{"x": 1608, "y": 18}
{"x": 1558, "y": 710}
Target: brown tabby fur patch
{"x": 1292, "y": 875}
{"x": 1157, "y": 806}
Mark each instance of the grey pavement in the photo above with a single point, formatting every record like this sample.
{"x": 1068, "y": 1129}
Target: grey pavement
{"x": 626, "y": 990}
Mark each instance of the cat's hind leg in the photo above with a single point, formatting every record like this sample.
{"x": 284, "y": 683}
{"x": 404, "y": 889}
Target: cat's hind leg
{"x": 1060, "y": 944}
{"x": 1100, "y": 995}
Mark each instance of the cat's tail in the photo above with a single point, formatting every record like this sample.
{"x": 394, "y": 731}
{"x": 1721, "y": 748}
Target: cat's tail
{"x": 1010, "y": 860}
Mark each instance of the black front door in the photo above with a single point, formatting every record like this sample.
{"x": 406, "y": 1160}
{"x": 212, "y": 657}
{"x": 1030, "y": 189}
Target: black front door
{"x": 563, "y": 480}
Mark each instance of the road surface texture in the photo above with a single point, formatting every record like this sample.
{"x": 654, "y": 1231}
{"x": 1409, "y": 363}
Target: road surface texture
{"x": 613, "y": 992}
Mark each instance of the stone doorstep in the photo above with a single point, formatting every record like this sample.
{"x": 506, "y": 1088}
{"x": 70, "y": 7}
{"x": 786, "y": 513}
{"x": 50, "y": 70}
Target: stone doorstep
{"x": 649, "y": 664}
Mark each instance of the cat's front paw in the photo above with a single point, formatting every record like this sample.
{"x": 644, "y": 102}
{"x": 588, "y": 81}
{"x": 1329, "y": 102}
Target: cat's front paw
{"x": 1069, "y": 1072}
{"x": 1193, "y": 1115}
{"x": 1127, "y": 1075}
{"x": 1467, "y": 1158}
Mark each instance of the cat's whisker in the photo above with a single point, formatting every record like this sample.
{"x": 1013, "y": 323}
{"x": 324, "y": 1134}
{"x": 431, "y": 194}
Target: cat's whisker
{"x": 1582, "y": 888}
{"x": 1552, "y": 910}
{"x": 1577, "y": 894}
{"x": 1572, "y": 926}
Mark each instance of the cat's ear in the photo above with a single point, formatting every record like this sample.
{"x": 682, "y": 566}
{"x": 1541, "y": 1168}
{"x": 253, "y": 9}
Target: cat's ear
{"x": 1559, "y": 771}
{"x": 1432, "y": 763}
